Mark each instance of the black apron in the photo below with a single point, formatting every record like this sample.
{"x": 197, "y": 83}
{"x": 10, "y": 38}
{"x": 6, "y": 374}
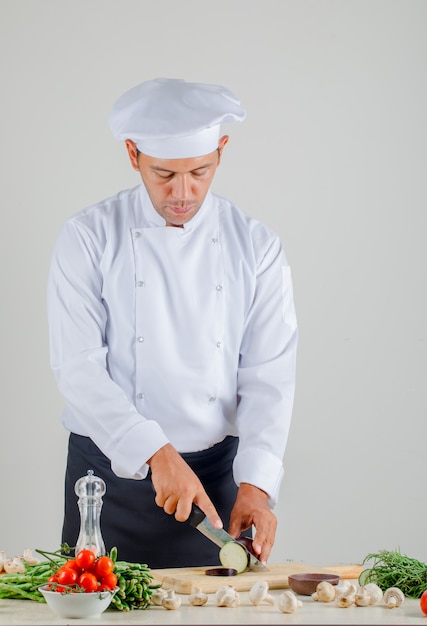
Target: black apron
{"x": 130, "y": 518}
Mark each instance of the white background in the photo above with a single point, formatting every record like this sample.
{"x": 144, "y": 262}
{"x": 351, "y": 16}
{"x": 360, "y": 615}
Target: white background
{"x": 332, "y": 155}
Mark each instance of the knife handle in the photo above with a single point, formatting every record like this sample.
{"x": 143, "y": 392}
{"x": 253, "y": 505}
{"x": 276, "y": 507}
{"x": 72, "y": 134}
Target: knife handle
{"x": 196, "y": 515}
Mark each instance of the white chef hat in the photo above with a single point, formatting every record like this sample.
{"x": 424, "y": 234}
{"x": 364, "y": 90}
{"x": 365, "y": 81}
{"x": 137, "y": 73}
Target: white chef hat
{"x": 169, "y": 118}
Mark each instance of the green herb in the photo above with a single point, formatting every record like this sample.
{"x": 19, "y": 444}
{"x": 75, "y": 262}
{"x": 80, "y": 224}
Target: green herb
{"x": 393, "y": 569}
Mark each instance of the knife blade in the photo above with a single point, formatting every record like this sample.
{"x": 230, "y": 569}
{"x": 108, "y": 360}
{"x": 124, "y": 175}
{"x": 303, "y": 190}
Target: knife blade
{"x": 220, "y": 537}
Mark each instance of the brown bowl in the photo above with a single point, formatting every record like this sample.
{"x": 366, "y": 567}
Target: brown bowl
{"x": 305, "y": 584}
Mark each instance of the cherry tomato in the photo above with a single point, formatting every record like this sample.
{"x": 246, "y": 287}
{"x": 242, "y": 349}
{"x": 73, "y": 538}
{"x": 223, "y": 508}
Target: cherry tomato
{"x": 423, "y": 602}
{"x": 52, "y": 579}
{"x": 103, "y": 566}
{"x": 109, "y": 581}
{"x": 89, "y": 569}
{"x": 71, "y": 563}
{"x": 85, "y": 559}
{"x": 88, "y": 581}
{"x": 67, "y": 576}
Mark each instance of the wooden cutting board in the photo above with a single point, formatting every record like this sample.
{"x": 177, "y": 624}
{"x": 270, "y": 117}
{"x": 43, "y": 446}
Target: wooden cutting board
{"x": 184, "y": 579}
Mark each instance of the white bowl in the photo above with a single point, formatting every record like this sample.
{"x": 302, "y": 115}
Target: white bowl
{"x": 78, "y": 605}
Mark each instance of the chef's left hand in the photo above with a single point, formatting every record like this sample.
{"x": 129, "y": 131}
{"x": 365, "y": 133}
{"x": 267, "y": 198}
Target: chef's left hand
{"x": 251, "y": 508}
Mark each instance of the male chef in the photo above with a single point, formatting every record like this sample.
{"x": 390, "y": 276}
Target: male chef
{"x": 173, "y": 340}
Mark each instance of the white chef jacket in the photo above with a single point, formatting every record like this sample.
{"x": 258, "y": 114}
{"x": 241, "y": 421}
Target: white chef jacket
{"x": 182, "y": 335}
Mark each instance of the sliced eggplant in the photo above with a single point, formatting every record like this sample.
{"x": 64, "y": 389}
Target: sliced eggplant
{"x": 235, "y": 555}
{"x": 247, "y": 542}
{"x": 221, "y": 571}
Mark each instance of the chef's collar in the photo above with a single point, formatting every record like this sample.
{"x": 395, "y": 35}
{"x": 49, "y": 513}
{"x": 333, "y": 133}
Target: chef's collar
{"x": 153, "y": 219}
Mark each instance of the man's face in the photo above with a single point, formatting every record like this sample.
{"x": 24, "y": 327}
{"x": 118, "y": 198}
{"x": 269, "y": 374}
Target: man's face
{"x": 177, "y": 187}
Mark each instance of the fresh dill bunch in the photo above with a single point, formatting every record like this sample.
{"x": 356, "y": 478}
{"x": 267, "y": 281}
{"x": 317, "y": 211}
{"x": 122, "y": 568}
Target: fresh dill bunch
{"x": 393, "y": 569}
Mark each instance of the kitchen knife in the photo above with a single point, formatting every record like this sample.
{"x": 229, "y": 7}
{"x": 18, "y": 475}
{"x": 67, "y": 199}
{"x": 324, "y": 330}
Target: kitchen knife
{"x": 220, "y": 537}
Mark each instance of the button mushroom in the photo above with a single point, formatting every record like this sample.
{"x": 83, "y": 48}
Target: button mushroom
{"x": 14, "y": 566}
{"x": 362, "y": 597}
{"x": 259, "y": 593}
{"x": 288, "y": 602}
{"x": 393, "y": 597}
{"x": 227, "y": 596}
{"x": 157, "y": 596}
{"x": 29, "y": 557}
{"x": 346, "y": 599}
{"x": 375, "y": 593}
{"x": 197, "y": 597}
{"x": 171, "y": 601}
{"x": 325, "y": 592}
{"x": 3, "y": 559}
{"x": 341, "y": 587}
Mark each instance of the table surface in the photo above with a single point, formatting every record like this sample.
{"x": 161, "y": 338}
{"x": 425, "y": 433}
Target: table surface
{"x": 21, "y": 612}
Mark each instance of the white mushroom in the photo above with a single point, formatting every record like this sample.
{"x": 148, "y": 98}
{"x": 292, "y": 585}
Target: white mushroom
{"x": 171, "y": 601}
{"x": 325, "y": 592}
{"x": 168, "y": 583}
{"x": 342, "y": 587}
{"x": 29, "y": 557}
{"x": 3, "y": 559}
{"x": 259, "y": 593}
{"x": 393, "y": 597}
{"x": 288, "y": 602}
{"x": 227, "y": 596}
{"x": 347, "y": 598}
{"x": 375, "y": 593}
{"x": 14, "y": 566}
{"x": 197, "y": 597}
{"x": 157, "y": 596}
{"x": 362, "y": 597}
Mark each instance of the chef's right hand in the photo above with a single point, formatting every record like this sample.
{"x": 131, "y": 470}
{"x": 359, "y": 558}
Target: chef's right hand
{"x": 177, "y": 486}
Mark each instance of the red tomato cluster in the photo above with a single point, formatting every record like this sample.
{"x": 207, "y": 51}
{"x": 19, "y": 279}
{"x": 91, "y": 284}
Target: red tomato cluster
{"x": 85, "y": 571}
{"x": 423, "y": 602}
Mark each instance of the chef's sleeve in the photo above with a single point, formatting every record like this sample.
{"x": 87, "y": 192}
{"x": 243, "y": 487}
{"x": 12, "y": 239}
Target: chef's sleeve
{"x": 266, "y": 374}
{"x": 77, "y": 328}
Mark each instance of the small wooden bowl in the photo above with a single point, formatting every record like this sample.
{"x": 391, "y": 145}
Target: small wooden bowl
{"x": 305, "y": 584}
